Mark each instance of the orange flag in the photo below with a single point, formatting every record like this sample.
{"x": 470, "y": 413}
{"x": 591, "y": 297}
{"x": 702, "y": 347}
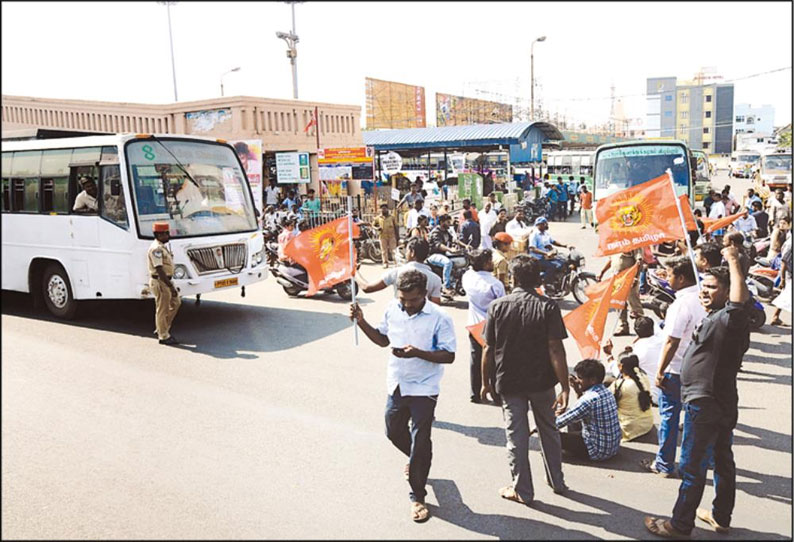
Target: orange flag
{"x": 620, "y": 288}
{"x": 587, "y": 322}
{"x": 476, "y": 332}
{"x": 689, "y": 216}
{"x": 325, "y": 253}
{"x": 714, "y": 224}
{"x": 642, "y": 215}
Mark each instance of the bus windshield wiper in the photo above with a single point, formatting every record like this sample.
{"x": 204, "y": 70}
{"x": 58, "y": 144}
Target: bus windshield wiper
{"x": 178, "y": 163}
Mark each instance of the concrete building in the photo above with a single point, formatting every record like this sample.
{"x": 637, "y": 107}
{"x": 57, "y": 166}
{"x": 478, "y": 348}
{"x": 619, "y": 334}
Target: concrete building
{"x": 701, "y": 115}
{"x": 280, "y": 124}
{"x": 754, "y": 120}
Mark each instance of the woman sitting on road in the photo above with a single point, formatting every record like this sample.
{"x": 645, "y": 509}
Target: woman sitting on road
{"x": 632, "y": 393}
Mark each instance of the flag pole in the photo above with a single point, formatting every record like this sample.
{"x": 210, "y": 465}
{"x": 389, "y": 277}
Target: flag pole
{"x": 683, "y": 228}
{"x": 352, "y": 263}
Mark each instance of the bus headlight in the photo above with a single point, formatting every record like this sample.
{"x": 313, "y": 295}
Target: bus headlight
{"x": 180, "y": 272}
{"x": 257, "y": 258}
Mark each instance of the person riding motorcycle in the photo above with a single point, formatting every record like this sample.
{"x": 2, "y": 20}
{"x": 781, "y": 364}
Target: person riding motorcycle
{"x": 541, "y": 246}
{"x": 442, "y": 242}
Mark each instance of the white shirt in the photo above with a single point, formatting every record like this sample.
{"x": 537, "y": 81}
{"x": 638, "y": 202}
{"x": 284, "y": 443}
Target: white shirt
{"x": 190, "y": 199}
{"x": 481, "y": 289}
{"x": 717, "y": 210}
{"x": 516, "y": 230}
{"x": 413, "y": 217}
{"x": 433, "y": 281}
{"x": 84, "y": 200}
{"x": 683, "y": 316}
{"x": 429, "y": 329}
{"x": 648, "y": 351}
{"x": 745, "y": 225}
{"x": 495, "y": 206}
{"x": 487, "y": 220}
{"x": 271, "y": 194}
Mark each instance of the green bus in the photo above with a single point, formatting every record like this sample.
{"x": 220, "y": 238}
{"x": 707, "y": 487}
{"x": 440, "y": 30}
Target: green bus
{"x": 565, "y": 164}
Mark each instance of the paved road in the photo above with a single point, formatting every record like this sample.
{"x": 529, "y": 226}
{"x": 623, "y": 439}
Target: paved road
{"x": 268, "y": 423}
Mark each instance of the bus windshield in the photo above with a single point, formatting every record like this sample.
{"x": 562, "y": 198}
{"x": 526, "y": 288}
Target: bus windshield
{"x": 621, "y": 167}
{"x": 749, "y": 157}
{"x": 780, "y": 162}
{"x": 198, "y": 187}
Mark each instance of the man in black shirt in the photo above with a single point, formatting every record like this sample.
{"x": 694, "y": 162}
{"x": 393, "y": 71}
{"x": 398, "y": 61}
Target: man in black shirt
{"x": 761, "y": 219}
{"x": 708, "y": 390}
{"x": 523, "y": 335}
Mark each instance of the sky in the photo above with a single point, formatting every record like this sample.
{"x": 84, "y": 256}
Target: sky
{"x": 119, "y": 51}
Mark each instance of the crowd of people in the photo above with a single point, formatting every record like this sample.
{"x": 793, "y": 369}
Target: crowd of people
{"x": 686, "y": 364}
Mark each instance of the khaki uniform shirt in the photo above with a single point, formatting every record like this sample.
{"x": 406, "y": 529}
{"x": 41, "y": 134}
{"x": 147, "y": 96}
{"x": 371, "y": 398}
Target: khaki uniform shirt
{"x": 387, "y": 225}
{"x": 500, "y": 268}
{"x": 624, "y": 261}
{"x": 159, "y": 255}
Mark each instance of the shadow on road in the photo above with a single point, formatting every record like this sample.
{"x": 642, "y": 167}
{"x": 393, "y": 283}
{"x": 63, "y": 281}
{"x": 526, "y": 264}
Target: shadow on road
{"x": 218, "y": 329}
{"x": 452, "y": 509}
{"x": 490, "y": 436}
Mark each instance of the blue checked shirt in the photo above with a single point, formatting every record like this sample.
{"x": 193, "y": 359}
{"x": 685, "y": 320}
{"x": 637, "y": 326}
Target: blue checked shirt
{"x": 598, "y": 412}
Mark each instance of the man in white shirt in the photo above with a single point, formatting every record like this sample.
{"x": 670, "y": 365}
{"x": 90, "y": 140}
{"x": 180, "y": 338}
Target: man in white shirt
{"x": 495, "y": 204}
{"x": 271, "y": 195}
{"x": 718, "y": 207}
{"x": 487, "y": 220}
{"x": 746, "y": 224}
{"x": 416, "y": 251}
{"x": 413, "y": 215}
{"x": 648, "y": 347}
{"x": 682, "y": 317}
{"x": 86, "y": 201}
{"x": 482, "y": 288}
{"x": 519, "y": 227}
{"x": 422, "y": 338}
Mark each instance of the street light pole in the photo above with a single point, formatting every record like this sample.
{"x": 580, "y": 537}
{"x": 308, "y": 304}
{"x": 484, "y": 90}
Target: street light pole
{"x": 168, "y": 5}
{"x": 532, "y": 76}
{"x": 292, "y": 52}
{"x": 237, "y": 69}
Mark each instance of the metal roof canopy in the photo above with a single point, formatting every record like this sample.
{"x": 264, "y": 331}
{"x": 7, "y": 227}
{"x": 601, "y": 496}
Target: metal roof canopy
{"x": 472, "y": 138}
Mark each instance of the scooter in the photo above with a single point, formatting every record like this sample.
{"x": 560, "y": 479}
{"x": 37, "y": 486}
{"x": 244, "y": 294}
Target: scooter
{"x": 659, "y": 294}
{"x": 295, "y": 280}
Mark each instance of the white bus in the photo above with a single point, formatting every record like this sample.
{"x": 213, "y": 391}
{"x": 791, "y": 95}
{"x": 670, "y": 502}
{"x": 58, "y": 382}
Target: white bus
{"x": 62, "y": 256}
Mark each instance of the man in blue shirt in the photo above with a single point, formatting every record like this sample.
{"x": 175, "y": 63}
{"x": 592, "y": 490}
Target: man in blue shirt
{"x": 562, "y": 192}
{"x": 541, "y": 245}
{"x": 469, "y": 231}
{"x": 554, "y": 198}
{"x": 422, "y": 338}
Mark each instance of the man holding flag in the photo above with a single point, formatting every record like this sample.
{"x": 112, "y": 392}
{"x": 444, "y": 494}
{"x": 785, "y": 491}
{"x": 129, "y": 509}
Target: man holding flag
{"x": 621, "y": 262}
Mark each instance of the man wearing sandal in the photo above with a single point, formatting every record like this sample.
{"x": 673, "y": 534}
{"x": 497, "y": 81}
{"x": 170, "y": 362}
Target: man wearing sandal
{"x": 523, "y": 335}
{"x": 422, "y": 338}
{"x": 708, "y": 390}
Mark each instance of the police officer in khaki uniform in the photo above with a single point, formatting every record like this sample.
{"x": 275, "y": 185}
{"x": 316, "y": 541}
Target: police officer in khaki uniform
{"x": 161, "y": 269}
{"x": 620, "y": 262}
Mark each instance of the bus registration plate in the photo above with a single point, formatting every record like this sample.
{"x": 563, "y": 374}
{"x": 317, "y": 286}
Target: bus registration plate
{"x": 226, "y": 282}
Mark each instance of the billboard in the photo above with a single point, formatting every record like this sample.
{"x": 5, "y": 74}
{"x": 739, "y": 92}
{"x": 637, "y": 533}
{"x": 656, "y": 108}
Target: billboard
{"x": 458, "y": 110}
{"x": 394, "y": 105}
{"x": 346, "y": 163}
{"x": 293, "y": 167}
{"x": 250, "y": 153}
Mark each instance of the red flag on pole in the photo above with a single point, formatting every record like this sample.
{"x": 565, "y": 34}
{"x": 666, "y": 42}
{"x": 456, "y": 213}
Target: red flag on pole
{"x": 312, "y": 122}
{"x": 620, "y": 288}
{"x": 587, "y": 322}
{"x": 646, "y": 214}
{"x": 713, "y": 224}
{"x": 476, "y": 331}
{"x": 324, "y": 252}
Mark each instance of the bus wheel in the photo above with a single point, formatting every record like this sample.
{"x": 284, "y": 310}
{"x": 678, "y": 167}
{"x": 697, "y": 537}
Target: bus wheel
{"x": 57, "y": 292}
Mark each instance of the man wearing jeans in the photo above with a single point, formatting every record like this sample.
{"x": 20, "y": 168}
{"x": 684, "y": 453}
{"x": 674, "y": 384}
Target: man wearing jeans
{"x": 683, "y": 315}
{"x": 708, "y": 378}
{"x": 422, "y": 338}
{"x": 523, "y": 335}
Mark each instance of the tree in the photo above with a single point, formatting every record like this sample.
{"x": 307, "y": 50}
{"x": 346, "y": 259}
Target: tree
{"x": 784, "y": 139}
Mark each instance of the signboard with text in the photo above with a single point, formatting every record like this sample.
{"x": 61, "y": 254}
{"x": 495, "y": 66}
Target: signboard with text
{"x": 293, "y": 167}
{"x": 346, "y": 163}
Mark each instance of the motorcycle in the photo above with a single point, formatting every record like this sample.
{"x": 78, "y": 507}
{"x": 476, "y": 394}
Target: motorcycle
{"x": 368, "y": 244}
{"x": 294, "y": 279}
{"x": 536, "y": 207}
{"x": 460, "y": 263}
{"x": 659, "y": 294}
{"x": 570, "y": 279}
{"x": 764, "y": 278}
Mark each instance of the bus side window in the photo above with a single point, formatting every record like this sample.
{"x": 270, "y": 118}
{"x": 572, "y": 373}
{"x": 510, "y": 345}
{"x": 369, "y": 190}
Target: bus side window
{"x": 77, "y": 173}
{"x": 6, "y": 195}
{"x": 113, "y": 206}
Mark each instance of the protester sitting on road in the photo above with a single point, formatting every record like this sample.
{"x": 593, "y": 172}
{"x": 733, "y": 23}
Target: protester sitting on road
{"x": 441, "y": 243}
{"x": 683, "y": 316}
{"x": 631, "y": 390}
{"x": 523, "y": 335}
{"x": 481, "y": 288}
{"x": 709, "y": 393}
{"x": 648, "y": 347}
{"x": 596, "y": 409}
{"x": 469, "y": 230}
{"x": 502, "y": 242}
{"x": 416, "y": 252}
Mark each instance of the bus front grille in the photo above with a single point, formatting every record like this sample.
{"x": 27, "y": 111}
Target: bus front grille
{"x": 210, "y": 259}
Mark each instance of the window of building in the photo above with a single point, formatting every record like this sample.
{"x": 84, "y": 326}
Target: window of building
{"x": 668, "y": 98}
{"x": 708, "y": 98}
{"x": 739, "y": 118}
{"x": 705, "y": 130}
{"x": 684, "y": 98}
{"x": 706, "y": 145}
{"x": 668, "y": 113}
{"x": 683, "y": 115}
{"x": 750, "y": 120}
{"x": 682, "y": 127}
{"x": 739, "y": 131}
{"x": 708, "y": 114}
